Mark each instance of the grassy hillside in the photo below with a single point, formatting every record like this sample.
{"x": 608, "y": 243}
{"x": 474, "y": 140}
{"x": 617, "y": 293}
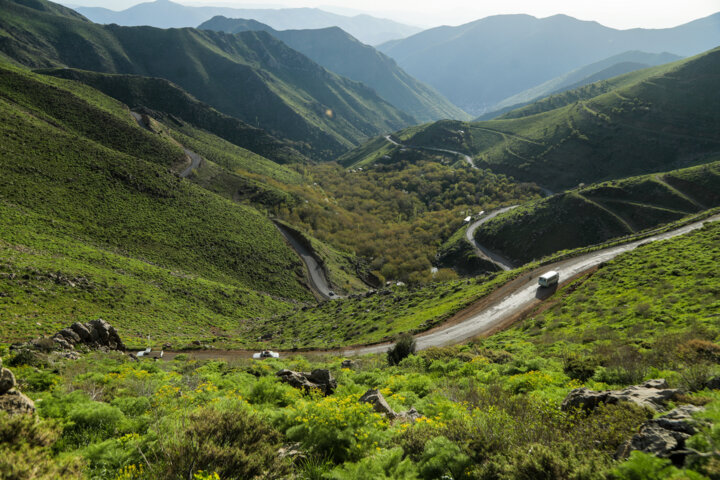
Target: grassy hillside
{"x": 482, "y": 406}
{"x": 652, "y": 120}
{"x": 80, "y": 173}
{"x": 599, "y": 212}
{"x": 339, "y": 52}
{"x": 163, "y": 96}
{"x": 251, "y": 76}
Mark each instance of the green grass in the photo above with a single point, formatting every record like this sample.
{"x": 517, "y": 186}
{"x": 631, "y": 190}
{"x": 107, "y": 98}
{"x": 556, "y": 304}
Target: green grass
{"x": 597, "y": 213}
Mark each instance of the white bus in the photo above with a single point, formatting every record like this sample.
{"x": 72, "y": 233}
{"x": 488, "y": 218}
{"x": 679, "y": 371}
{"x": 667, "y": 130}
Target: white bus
{"x": 548, "y": 279}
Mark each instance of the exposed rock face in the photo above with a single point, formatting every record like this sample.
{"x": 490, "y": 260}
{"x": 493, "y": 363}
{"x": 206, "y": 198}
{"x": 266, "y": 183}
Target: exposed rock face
{"x": 97, "y": 334}
{"x": 664, "y": 436}
{"x": 347, "y": 364}
{"x": 653, "y": 394}
{"x": 320, "y": 379}
{"x": 380, "y": 405}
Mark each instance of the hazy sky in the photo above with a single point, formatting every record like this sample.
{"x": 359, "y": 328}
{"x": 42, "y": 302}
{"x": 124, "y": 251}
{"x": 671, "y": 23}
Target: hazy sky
{"x": 613, "y": 13}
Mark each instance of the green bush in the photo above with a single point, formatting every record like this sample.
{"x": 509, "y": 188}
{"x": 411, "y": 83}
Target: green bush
{"x": 384, "y": 465}
{"x": 643, "y": 466}
{"x": 92, "y": 422}
{"x": 579, "y": 368}
{"x": 25, "y": 451}
{"x": 233, "y": 443}
{"x": 442, "y": 457}
{"x": 404, "y": 347}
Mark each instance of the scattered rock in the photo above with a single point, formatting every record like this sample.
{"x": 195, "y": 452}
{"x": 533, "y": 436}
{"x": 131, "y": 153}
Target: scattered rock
{"x": 320, "y": 379}
{"x": 15, "y": 403}
{"x": 411, "y": 415}
{"x": 7, "y": 381}
{"x": 167, "y": 346}
{"x": 347, "y": 364}
{"x": 378, "y": 402}
{"x": 653, "y": 394}
{"x": 664, "y": 436}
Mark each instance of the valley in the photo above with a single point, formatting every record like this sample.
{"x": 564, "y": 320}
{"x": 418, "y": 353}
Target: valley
{"x": 245, "y": 243}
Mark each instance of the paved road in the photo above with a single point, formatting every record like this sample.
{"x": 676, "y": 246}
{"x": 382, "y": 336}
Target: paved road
{"x": 523, "y": 297}
{"x": 318, "y": 280}
{"x": 483, "y": 252}
{"x": 467, "y": 158}
{"x": 195, "y": 161}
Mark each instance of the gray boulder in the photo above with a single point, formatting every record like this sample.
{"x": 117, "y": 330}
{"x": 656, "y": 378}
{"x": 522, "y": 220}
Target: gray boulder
{"x": 347, "y": 364}
{"x": 664, "y": 436}
{"x": 653, "y": 394}
{"x": 378, "y": 402}
{"x": 95, "y": 334}
{"x": 319, "y": 379}
{"x": 7, "y": 381}
{"x": 15, "y": 403}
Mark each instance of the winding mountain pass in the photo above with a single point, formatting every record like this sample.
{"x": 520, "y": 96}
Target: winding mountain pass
{"x": 466, "y": 157}
{"x": 483, "y": 252}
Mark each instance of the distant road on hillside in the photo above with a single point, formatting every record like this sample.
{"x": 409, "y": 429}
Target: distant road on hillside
{"x": 466, "y": 157}
{"x": 483, "y": 252}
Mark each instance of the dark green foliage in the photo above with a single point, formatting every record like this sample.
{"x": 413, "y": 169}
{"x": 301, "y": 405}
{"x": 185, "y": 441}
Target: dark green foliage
{"x": 232, "y": 443}
{"x": 579, "y": 368}
{"x": 404, "y": 346}
{"x": 25, "y": 451}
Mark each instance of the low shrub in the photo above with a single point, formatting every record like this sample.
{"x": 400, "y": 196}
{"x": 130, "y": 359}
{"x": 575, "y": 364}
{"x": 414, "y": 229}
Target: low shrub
{"x": 404, "y": 347}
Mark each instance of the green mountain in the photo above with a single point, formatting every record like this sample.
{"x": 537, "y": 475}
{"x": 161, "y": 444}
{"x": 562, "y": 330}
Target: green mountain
{"x": 481, "y": 63}
{"x": 610, "y": 67}
{"x": 164, "y": 96}
{"x": 251, "y": 76}
{"x": 166, "y": 14}
{"x": 600, "y": 212}
{"x": 339, "y": 52}
{"x": 653, "y": 120}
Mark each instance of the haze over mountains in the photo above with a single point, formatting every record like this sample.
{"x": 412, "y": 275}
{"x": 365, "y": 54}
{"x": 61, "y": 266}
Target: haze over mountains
{"x": 479, "y": 64}
{"x": 167, "y": 14}
{"x": 339, "y": 52}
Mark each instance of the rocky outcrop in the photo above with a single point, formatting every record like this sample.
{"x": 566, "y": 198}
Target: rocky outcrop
{"x": 380, "y": 405}
{"x": 653, "y": 394}
{"x": 320, "y": 379}
{"x": 11, "y": 400}
{"x": 378, "y": 402}
{"x": 96, "y": 334}
{"x": 664, "y": 436}
{"x": 347, "y": 364}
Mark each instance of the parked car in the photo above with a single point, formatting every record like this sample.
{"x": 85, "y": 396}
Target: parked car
{"x": 266, "y": 354}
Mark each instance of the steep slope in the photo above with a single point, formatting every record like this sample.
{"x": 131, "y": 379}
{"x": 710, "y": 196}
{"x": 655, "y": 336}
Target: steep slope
{"x": 478, "y": 64}
{"x": 339, "y": 52}
{"x": 600, "y": 212}
{"x": 166, "y": 14}
{"x": 653, "y": 120}
{"x": 164, "y": 96}
{"x": 610, "y": 67}
{"x": 251, "y": 76}
{"x": 97, "y": 223}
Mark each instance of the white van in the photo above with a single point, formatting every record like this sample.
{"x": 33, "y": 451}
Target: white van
{"x": 548, "y": 279}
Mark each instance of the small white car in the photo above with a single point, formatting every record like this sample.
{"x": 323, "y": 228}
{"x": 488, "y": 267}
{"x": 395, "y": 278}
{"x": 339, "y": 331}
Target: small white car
{"x": 266, "y": 354}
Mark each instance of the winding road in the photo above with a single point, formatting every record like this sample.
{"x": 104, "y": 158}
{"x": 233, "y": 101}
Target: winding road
{"x": 483, "y": 252}
{"x": 466, "y": 157}
{"x": 524, "y": 295}
{"x": 318, "y": 281}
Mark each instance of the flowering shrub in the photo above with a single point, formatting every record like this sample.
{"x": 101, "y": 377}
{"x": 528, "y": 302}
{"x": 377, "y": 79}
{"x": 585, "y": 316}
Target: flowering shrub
{"x": 340, "y": 428}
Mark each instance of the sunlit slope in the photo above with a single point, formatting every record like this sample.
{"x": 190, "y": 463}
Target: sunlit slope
{"x": 653, "y": 120}
{"x": 78, "y": 162}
